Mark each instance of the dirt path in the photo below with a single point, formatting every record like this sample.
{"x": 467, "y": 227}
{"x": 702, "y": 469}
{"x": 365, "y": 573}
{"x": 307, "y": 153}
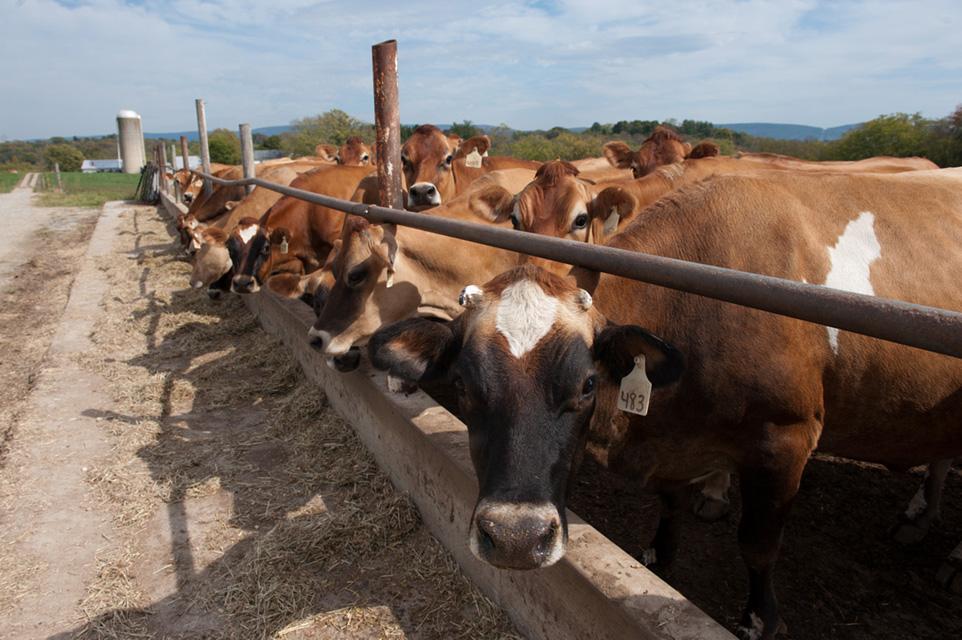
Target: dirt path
{"x": 173, "y": 476}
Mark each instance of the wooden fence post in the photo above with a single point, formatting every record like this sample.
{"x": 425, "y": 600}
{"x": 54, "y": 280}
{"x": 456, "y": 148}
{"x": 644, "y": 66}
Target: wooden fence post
{"x": 247, "y": 154}
{"x": 56, "y": 170}
{"x": 185, "y": 153}
{"x": 387, "y": 121}
{"x": 204, "y": 149}
{"x": 163, "y": 166}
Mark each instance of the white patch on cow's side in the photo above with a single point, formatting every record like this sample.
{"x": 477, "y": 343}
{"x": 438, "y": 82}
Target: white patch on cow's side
{"x": 917, "y": 505}
{"x": 525, "y": 314}
{"x": 850, "y": 262}
{"x": 246, "y": 233}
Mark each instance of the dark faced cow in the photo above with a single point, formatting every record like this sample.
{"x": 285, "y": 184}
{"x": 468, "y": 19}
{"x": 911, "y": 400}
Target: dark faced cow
{"x": 734, "y": 389}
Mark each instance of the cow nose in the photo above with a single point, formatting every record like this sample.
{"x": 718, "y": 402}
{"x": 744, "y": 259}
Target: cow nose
{"x": 518, "y": 536}
{"x": 318, "y": 339}
{"x": 423, "y": 193}
{"x": 242, "y": 284}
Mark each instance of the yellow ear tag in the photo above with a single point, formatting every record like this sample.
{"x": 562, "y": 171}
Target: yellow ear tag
{"x": 635, "y": 391}
{"x": 473, "y": 159}
{"x": 284, "y": 245}
{"x": 611, "y": 223}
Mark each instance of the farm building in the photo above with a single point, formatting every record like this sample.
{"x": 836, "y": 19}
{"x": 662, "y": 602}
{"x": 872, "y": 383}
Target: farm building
{"x": 100, "y": 166}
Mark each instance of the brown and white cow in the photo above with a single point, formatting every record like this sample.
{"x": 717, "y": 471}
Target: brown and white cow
{"x": 382, "y": 274}
{"x": 734, "y": 389}
{"x": 293, "y": 237}
{"x": 435, "y": 170}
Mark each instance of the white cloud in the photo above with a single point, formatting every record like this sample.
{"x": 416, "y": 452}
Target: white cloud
{"x": 71, "y": 66}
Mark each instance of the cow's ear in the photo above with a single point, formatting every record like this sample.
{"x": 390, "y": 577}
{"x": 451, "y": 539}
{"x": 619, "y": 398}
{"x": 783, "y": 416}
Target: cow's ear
{"x": 281, "y": 237}
{"x": 609, "y": 209}
{"x": 618, "y": 154}
{"x": 326, "y": 152}
{"x": 480, "y": 143}
{"x": 617, "y": 346}
{"x": 703, "y": 150}
{"x": 493, "y": 203}
{"x": 455, "y": 141}
{"x": 416, "y": 349}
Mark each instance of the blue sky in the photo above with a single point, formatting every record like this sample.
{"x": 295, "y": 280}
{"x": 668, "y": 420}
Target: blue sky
{"x": 71, "y": 65}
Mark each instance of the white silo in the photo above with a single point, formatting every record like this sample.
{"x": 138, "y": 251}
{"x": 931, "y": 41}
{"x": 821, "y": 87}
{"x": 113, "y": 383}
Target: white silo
{"x": 130, "y": 139}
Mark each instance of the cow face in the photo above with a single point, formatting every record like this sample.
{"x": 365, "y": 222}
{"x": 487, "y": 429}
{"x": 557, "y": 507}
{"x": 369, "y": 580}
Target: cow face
{"x": 558, "y": 203}
{"x": 528, "y": 356}
{"x": 212, "y": 261}
{"x": 663, "y": 146}
{"x": 252, "y": 249}
{"x": 361, "y": 296}
{"x": 355, "y": 153}
{"x": 427, "y": 158}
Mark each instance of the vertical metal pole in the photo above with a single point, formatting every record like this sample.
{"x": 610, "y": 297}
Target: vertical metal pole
{"x": 387, "y": 121}
{"x": 204, "y": 149}
{"x": 163, "y": 166}
{"x": 247, "y": 154}
{"x": 185, "y": 154}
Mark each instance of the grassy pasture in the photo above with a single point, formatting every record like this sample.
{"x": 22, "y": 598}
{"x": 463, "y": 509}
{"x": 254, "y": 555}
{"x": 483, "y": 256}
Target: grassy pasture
{"x": 8, "y": 181}
{"x": 86, "y": 189}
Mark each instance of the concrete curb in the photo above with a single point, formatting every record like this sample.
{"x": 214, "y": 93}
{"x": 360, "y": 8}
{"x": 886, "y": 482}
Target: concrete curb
{"x": 597, "y": 591}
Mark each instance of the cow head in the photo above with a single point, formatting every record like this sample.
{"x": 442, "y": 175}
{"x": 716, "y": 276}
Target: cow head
{"x": 528, "y": 356}
{"x": 428, "y": 162}
{"x": 366, "y": 283}
{"x": 212, "y": 262}
{"x": 663, "y": 146}
{"x": 355, "y": 153}
{"x": 558, "y": 203}
{"x": 252, "y": 248}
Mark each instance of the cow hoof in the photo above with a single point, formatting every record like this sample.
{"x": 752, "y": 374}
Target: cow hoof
{"x": 400, "y": 385}
{"x": 708, "y": 509}
{"x": 950, "y": 577}
{"x": 909, "y": 533}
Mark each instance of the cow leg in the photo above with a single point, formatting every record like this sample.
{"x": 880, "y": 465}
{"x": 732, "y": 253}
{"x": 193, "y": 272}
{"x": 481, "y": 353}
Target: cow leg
{"x": 711, "y": 502}
{"x": 664, "y": 546}
{"x": 768, "y": 488}
{"x": 950, "y": 573}
{"x": 925, "y": 507}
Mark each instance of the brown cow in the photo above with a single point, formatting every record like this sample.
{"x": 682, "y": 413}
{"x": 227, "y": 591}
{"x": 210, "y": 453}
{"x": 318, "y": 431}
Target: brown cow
{"x": 293, "y": 237}
{"x": 663, "y": 146}
{"x": 434, "y": 172}
{"x": 381, "y": 274}
{"x": 533, "y": 354}
{"x": 353, "y": 153}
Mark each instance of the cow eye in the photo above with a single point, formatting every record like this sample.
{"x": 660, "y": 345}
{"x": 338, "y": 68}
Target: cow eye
{"x": 581, "y": 221}
{"x": 515, "y": 222}
{"x": 365, "y": 158}
{"x": 449, "y": 160}
{"x": 356, "y": 276}
{"x": 266, "y": 249}
{"x": 405, "y": 160}
{"x": 589, "y": 386}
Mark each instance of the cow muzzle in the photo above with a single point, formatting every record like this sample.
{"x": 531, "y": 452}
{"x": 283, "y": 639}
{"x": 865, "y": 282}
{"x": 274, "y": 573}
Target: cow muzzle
{"x": 423, "y": 194}
{"x": 244, "y": 284}
{"x": 517, "y": 535}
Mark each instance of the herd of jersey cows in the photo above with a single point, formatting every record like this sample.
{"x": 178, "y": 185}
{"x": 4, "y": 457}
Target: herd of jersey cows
{"x": 537, "y": 350}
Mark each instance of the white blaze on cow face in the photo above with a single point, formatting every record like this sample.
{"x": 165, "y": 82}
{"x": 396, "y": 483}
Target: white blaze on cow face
{"x": 525, "y": 315}
{"x": 850, "y": 262}
{"x": 246, "y": 233}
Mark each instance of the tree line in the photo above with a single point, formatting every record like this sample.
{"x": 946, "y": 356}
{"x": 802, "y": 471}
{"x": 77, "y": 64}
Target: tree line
{"x": 899, "y": 134}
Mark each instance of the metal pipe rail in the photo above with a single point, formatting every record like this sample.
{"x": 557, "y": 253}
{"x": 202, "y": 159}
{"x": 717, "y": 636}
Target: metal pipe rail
{"x": 923, "y": 327}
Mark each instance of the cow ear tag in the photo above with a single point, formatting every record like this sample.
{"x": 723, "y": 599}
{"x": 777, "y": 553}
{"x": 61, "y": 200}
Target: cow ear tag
{"x": 284, "y": 245}
{"x": 473, "y": 159}
{"x": 611, "y": 222}
{"x": 635, "y": 391}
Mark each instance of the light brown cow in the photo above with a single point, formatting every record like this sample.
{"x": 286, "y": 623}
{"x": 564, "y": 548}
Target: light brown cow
{"x": 663, "y": 146}
{"x": 381, "y": 274}
{"x": 353, "y": 153}
{"x": 877, "y": 164}
{"x": 534, "y": 354}
{"x": 434, "y": 172}
{"x": 293, "y": 237}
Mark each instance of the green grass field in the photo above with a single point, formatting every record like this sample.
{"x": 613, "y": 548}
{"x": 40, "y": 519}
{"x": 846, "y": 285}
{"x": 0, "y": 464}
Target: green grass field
{"x": 8, "y": 181}
{"x": 87, "y": 189}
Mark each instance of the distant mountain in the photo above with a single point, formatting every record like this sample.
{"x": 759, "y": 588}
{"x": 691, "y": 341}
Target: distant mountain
{"x": 192, "y": 135}
{"x": 790, "y": 131}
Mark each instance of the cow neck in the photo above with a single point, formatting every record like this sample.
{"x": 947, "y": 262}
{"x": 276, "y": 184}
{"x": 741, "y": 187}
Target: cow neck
{"x": 440, "y": 267}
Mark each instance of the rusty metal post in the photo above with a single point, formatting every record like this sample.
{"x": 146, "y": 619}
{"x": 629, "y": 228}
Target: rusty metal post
{"x": 387, "y": 122}
{"x": 204, "y": 149}
{"x": 163, "y": 166}
{"x": 247, "y": 154}
{"x": 185, "y": 154}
